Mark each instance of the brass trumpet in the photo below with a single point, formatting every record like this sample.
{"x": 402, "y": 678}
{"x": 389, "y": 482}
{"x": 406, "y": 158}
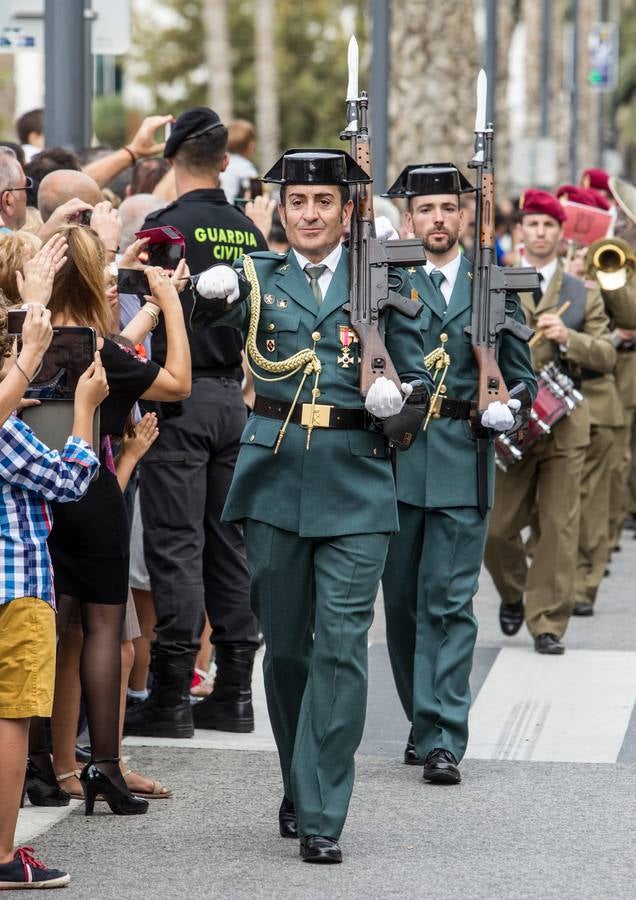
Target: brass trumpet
{"x": 611, "y": 261}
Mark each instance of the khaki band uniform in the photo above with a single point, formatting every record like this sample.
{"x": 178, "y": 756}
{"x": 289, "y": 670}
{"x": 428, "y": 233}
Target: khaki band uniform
{"x": 621, "y": 308}
{"x": 548, "y": 478}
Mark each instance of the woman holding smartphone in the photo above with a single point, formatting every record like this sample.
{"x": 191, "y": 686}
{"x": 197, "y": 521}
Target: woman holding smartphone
{"x": 89, "y": 544}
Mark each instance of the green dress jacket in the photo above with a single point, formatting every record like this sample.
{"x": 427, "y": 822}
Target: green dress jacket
{"x": 343, "y": 484}
{"x": 440, "y": 470}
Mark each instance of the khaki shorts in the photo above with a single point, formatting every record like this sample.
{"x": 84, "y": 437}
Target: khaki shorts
{"x": 27, "y": 658}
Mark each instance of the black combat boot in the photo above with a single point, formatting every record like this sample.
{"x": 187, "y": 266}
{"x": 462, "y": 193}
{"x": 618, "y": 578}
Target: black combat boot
{"x": 229, "y": 706}
{"x": 167, "y": 712}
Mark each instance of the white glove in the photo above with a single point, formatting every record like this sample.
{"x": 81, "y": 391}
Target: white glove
{"x": 384, "y": 399}
{"x": 219, "y": 283}
{"x": 384, "y": 230}
{"x": 500, "y": 416}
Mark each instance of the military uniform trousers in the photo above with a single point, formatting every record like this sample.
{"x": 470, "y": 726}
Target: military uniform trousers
{"x": 622, "y": 493}
{"x": 429, "y": 581}
{"x": 196, "y": 562}
{"x": 594, "y": 534}
{"x": 314, "y": 598}
{"x": 551, "y": 478}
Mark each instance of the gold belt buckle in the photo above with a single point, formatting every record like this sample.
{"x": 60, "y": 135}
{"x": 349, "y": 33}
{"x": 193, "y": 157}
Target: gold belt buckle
{"x": 321, "y": 416}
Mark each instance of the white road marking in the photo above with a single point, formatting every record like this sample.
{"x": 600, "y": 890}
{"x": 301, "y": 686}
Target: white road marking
{"x": 35, "y": 820}
{"x": 572, "y": 708}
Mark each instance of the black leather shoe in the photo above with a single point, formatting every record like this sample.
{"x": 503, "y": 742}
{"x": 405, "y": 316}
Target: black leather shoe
{"x": 318, "y": 849}
{"x": 287, "y": 823}
{"x": 511, "y": 616}
{"x": 410, "y": 753}
{"x": 549, "y": 644}
{"x": 441, "y": 767}
{"x": 42, "y": 788}
{"x": 583, "y": 608}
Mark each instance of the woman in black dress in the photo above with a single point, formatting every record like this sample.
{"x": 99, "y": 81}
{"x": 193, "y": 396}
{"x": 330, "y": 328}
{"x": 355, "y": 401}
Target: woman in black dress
{"x": 89, "y": 542}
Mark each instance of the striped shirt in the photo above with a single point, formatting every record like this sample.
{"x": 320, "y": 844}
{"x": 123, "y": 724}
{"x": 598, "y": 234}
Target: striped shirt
{"x": 31, "y": 475}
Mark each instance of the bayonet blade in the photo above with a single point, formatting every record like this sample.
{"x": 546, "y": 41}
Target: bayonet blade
{"x": 480, "y": 118}
{"x": 482, "y": 93}
{"x": 352, "y": 88}
{"x": 352, "y": 59}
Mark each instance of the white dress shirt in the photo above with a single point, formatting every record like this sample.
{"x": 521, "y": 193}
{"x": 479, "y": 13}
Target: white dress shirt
{"x": 330, "y": 261}
{"x": 449, "y": 271}
{"x": 547, "y": 273}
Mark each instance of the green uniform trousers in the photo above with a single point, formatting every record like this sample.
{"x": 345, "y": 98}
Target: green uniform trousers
{"x": 314, "y": 598}
{"x": 595, "y": 513}
{"x": 429, "y": 581}
{"x": 549, "y": 480}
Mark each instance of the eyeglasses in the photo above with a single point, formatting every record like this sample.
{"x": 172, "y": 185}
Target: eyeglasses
{"x": 27, "y": 186}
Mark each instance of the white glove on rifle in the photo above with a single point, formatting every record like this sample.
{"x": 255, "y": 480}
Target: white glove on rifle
{"x": 384, "y": 230}
{"x": 219, "y": 283}
{"x": 384, "y": 399}
{"x": 500, "y": 416}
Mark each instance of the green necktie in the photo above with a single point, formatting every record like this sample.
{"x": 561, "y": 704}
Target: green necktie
{"x": 314, "y": 273}
{"x": 437, "y": 278}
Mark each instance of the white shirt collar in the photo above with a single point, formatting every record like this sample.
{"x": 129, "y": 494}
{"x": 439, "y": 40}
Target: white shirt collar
{"x": 449, "y": 270}
{"x": 547, "y": 272}
{"x": 331, "y": 260}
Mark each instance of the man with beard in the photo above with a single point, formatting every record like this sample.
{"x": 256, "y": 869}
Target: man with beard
{"x": 544, "y": 488}
{"x": 433, "y": 563}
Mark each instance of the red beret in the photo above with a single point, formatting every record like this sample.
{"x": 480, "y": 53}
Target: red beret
{"x": 595, "y": 178}
{"x": 586, "y": 196}
{"x": 541, "y": 203}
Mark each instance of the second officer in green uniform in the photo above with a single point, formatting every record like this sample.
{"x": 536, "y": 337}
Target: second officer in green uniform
{"x": 433, "y": 563}
{"x": 313, "y": 485}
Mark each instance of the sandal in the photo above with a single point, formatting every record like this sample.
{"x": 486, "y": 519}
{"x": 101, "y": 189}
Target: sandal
{"x": 157, "y": 792}
{"x": 64, "y": 777}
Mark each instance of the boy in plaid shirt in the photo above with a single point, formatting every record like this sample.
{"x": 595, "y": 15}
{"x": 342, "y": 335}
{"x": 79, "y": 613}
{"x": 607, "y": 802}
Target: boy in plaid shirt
{"x": 31, "y": 475}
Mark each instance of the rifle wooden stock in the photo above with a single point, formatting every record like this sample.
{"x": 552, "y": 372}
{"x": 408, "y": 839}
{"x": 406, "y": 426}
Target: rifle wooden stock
{"x": 487, "y": 234}
{"x": 374, "y": 359}
{"x": 490, "y": 384}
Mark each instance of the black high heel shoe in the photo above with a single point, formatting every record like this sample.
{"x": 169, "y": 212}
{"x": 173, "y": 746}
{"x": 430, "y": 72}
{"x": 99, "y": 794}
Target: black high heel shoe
{"x": 41, "y": 789}
{"x": 94, "y": 782}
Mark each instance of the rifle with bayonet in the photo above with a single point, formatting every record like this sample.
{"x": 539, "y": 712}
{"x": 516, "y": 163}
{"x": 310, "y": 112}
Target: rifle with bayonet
{"x": 490, "y": 285}
{"x": 371, "y": 290}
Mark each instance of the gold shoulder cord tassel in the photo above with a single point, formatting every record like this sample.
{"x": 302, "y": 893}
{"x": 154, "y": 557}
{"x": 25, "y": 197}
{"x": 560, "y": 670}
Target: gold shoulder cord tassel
{"x": 439, "y": 361}
{"x": 307, "y": 359}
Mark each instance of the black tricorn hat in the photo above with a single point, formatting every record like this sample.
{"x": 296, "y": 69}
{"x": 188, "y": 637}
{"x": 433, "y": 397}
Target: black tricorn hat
{"x": 316, "y": 167}
{"x": 433, "y": 178}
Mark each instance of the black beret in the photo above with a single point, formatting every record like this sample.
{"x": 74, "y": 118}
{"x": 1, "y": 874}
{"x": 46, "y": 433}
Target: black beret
{"x": 316, "y": 167}
{"x": 191, "y": 124}
{"x": 433, "y": 178}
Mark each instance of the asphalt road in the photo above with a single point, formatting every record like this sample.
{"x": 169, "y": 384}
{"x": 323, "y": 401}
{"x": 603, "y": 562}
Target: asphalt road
{"x": 546, "y": 808}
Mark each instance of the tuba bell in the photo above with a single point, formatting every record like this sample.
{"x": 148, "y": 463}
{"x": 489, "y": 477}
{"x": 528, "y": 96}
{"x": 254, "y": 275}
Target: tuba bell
{"x": 611, "y": 261}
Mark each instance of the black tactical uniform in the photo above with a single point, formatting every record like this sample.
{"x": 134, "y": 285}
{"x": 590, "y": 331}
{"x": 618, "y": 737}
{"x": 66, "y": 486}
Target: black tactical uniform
{"x": 195, "y": 561}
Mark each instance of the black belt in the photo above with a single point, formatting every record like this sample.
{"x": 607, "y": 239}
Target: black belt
{"x": 324, "y": 416}
{"x": 591, "y": 375}
{"x": 453, "y": 408}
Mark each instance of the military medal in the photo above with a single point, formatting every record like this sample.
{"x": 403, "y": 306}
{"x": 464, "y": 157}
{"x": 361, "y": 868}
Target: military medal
{"x": 282, "y": 303}
{"x": 348, "y": 339}
{"x": 270, "y": 343}
{"x": 269, "y": 299}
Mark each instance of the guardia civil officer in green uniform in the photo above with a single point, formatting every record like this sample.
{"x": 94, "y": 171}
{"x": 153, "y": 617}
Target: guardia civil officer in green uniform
{"x": 433, "y": 563}
{"x": 313, "y": 484}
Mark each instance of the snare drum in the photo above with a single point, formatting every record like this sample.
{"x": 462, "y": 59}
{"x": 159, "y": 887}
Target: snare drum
{"x": 556, "y": 398}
